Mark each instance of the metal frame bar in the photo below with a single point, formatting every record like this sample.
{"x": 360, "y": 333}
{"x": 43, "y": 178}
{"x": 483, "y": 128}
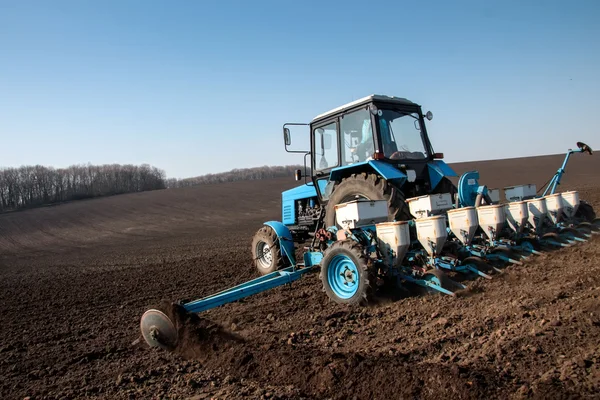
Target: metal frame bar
{"x": 255, "y": 286}
{"x": 556, "y": 178}
{"x": 463, "y": 268}
{"x": 427, "y": 284}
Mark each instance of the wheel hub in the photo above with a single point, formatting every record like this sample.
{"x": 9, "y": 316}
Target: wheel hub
{"x": 265, "y": 257}
{"x": 343, "y": 277}
{"x": 348, "y": 275}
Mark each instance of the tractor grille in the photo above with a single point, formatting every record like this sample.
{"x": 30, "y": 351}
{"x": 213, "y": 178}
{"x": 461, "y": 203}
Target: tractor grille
{"x": 288, "y": 214}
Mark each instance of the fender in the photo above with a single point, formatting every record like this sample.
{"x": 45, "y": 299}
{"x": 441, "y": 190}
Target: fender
{"x": 437, "y": 170}
{"x": 285, "y": 240}
{"x": 387, "y": 171}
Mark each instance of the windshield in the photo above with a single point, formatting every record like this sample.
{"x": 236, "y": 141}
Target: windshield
{"x": 401, "y": 135}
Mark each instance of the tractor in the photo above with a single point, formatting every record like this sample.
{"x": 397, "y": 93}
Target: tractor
{"x": 379, "y": 209}
{"x": 374, "y": 148}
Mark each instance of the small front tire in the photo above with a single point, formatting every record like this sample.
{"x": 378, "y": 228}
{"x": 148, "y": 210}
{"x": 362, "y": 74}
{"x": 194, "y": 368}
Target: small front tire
{"x": 266, "y": 252}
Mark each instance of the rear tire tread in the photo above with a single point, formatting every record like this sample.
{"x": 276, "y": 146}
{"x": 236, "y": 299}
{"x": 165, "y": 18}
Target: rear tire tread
{"x": 373, "y": 187}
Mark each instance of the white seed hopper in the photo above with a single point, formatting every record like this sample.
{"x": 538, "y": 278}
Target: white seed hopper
{"x": 520, "y": 192}
{"x": 537, "y": 213}
{"x": 463, "y": 223}
{"x": 517, "y": 215}
{"x": 394, "y": 240}
{"x": 571, "y": 203}
{"x": 555, "y": 206}
{"x": 357, "y": 213}
{"x": 432, "y": 234}
{"x": 431, "y": 204}
{"x": 491, "y": 219}
{"x": 494, "y": 195}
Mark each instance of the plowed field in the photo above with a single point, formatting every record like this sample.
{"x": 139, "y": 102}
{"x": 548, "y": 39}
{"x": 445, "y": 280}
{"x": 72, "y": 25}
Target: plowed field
{"x": 75, "y": 279}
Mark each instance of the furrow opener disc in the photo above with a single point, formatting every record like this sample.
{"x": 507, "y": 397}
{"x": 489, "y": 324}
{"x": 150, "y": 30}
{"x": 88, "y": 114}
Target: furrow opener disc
{"x": 158, "y": 330}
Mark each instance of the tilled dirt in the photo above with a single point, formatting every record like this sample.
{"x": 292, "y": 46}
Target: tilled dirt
{"x": 76, "y": 278}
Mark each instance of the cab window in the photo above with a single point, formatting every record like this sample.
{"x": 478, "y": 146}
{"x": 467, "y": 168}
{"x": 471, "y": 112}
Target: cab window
{"x": 357, "y": 137}
{"x": 326, "y": 147}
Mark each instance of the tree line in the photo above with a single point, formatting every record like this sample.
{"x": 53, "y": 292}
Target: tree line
{"x": 31, "y": 186}
{"x": 238, "y": 174}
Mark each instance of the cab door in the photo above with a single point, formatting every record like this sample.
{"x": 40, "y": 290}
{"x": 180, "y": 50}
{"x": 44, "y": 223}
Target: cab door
{"x": 325, "y": 154}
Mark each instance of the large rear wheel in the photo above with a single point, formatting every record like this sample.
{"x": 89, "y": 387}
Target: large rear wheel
{"x": 369, "y": 187}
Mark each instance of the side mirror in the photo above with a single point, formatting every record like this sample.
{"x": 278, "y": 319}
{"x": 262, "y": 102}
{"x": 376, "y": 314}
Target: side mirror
{"x": 429, "y": 115}
{"x": 298, "y": 174}
{"x": 287, "y": 138}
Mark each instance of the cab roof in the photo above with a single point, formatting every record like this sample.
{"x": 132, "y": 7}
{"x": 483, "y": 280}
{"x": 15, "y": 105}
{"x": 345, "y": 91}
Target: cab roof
{"x": 364, "y": 100}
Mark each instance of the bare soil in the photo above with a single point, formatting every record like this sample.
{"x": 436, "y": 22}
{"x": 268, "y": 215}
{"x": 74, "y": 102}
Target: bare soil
{"x": 75, "y": 279}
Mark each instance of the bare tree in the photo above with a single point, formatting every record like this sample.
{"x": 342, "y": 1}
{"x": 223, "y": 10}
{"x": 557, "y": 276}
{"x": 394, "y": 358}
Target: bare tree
{"x": 244, "y": 174}
{"x": 31, "y": 186}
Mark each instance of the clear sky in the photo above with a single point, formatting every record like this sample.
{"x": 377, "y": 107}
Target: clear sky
{"x": 196, "y": 87}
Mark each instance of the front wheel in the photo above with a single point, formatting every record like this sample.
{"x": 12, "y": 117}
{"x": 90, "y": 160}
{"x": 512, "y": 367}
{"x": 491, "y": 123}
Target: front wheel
{"x": 345, "y": 274}
{"x": 266, "y": 251}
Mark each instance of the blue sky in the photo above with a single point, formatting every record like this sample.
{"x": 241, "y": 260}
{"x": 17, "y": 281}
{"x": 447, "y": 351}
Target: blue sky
{"x": 197, "y": 87}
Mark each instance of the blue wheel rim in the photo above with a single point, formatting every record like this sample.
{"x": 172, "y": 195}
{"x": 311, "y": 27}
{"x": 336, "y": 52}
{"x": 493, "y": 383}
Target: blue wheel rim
{"x": 343, "y": 277}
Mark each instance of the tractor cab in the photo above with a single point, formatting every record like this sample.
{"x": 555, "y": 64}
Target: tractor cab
{"x": 389, "y": 131}
{"x": 374, "y": 148}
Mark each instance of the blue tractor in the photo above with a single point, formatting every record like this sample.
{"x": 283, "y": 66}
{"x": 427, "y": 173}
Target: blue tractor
{"x": 374, "y": 148}
{"x": 366, "y": 159}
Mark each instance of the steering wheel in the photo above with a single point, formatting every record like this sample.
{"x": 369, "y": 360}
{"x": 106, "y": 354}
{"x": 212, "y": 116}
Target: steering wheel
{"x": 404, "y": 155}
{"x": 584, "y": 147}
{"x": 400, "y": 155}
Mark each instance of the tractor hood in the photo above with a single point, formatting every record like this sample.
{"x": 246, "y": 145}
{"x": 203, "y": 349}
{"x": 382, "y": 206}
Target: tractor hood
{"x": 300, "y": 192}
